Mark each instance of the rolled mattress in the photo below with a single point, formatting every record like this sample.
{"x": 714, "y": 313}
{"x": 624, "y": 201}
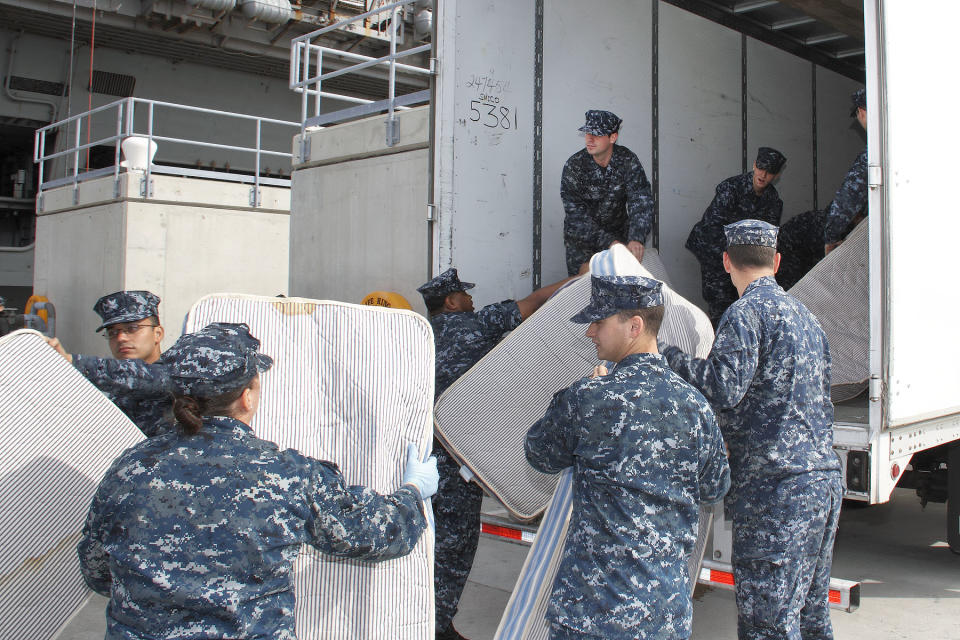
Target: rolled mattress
{"x": 353, "y": 385}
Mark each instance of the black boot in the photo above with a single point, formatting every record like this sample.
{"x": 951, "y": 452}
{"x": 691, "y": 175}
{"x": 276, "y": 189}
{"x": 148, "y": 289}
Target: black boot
{"x": 449, "y": 634}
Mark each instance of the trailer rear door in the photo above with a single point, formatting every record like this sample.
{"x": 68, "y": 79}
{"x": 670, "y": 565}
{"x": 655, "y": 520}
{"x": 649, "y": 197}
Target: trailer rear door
{"x": 917, "y": 205}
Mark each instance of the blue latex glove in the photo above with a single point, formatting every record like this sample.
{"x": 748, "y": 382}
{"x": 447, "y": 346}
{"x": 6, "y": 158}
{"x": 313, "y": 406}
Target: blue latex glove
{"x": 422, "y": 475}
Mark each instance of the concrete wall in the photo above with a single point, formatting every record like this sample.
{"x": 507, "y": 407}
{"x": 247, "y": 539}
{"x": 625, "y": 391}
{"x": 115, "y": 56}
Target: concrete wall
{"x": 358, "y": 214}
{"x": 193, "y": 238}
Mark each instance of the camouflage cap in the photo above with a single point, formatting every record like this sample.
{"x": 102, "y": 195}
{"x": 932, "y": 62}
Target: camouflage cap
{"x": 610, "y": 294}
{"x": 600, "y": 123}
{"x": 751, "y": 232}
{"x": 443, "y": 285}
{"x": 219, "y": 358}
{"x": 126, "y": 306}
{"x": 770, "y": 160}
{"x": 859, "y": 100}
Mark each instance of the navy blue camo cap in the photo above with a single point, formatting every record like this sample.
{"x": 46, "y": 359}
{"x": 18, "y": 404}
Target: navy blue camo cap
{"x": 612, "y": 294}
{"x": 751, "y": 232}
{"x": 443, "y": 285}
{"x": 126, "y": 306}
{"x": 770, "y": 160}
{"x": 600, "y": 123}
{"x": 217, "y": 359}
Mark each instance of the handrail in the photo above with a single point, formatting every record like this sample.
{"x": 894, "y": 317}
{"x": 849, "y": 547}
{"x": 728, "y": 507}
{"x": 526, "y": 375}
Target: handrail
{"x": 306, "y": 55}
{"x": 125, "y": 110}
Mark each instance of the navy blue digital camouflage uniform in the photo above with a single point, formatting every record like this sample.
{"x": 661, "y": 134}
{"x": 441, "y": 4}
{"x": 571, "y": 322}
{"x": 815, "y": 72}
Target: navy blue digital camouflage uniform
{"x": 645, "y": 450}
{"x": 800, "y": 244}
{"x": 768, "y": 378}
{"x": 850, "y": 201}
{"x": 734, "y": 200}
{"x": 461, "y": 338}
{"x": 603, "y": 204}
{"x": 140, "y": 390}
{"x": 193, "y": 536}
{"x": 851, "y": 198}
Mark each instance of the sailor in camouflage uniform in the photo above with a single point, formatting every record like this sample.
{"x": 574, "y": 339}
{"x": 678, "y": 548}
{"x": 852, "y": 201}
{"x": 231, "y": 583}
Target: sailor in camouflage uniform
{"x": 462, "y": 337}
{"x": 605, "y": 193}
{"x": 800, "y": 244}
{"x": 192, "y": 534}
{"x": 749, "y": 195}
{"x": 851, "y": 198}
{"x": 136, "y": 380}
{"x": 645, "y": 450}
{"x": 768, "y": 377}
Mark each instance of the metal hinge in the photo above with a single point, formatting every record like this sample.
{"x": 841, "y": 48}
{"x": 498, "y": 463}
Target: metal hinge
{"x": 304, "y": 148}
{"x": 431, "y": 212}
{"x": 434, "y": 66}
{"x": 393, "y": 131}
{"x": 876, "y": 388}
{"x": 874, "y": 176}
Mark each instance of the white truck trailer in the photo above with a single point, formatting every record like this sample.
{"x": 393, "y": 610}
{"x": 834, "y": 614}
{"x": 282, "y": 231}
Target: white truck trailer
{"x": 700, "y": 85}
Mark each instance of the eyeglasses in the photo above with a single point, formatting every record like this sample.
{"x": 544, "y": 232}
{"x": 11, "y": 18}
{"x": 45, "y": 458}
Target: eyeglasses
{"x": 129, "y": 330}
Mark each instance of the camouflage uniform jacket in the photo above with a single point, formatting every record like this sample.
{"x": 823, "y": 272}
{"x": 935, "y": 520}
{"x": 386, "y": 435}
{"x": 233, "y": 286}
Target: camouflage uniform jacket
{"x": 194, "y": 536}
{"x": 140, "y": 390}
{"x": 646, "y": 449}
{"x": 850, "y": 200}
{"x": 768, "y": 377}
{"x": 603, "y": 204}
{"x": 462, "y": 338}
{"x": 735, "y": 200}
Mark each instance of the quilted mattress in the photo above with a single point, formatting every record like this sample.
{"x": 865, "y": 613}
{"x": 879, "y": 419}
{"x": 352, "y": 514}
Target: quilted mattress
{"x": 835, "y": 290}
{"x": 58, "y": 435}
{"x": 483, "y": 418}
{"x": 351, "y": 384}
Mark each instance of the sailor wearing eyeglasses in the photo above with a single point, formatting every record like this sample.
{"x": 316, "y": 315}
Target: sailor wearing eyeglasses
{"x": 137, "y": 379}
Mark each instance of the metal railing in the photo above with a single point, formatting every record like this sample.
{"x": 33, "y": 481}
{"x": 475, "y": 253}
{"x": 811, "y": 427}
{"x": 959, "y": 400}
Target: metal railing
{"x": 125, "y": 111}
{"x": 307, "y": 76}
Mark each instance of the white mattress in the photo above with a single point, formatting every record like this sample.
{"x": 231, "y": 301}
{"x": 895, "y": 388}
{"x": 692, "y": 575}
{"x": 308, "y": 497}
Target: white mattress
{"x": 58, "y": 435}
{"x": 835, "y": 290}
{"x": 351, "y": 384}
{"x": 484, "y": 416}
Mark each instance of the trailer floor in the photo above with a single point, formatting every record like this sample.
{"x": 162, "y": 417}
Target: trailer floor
{"x": 911, "y": 581}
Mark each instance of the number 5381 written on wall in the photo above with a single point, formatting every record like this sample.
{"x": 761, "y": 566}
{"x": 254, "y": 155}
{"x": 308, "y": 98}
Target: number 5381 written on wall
{"x": 493, "y": 115}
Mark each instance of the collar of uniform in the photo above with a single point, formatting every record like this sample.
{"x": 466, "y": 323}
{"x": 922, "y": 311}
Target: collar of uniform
{"x": 765, "y": 281}
{"x": 637, "y": 359}
{"x": 223, "y": 423}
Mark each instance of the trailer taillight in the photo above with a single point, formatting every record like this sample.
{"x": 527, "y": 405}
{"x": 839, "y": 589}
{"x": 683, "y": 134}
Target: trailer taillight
{"x": 894, "y": 471}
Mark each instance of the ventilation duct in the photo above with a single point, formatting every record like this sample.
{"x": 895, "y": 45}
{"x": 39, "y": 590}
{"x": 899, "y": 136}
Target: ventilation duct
{"x": 273, "y": 11}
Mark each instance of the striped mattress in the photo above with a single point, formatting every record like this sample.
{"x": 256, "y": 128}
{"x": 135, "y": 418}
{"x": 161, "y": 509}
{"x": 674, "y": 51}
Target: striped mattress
{"x": 58, "y": 435}
{"x": 351, "y": 384}
{"x": 483, "y": 418}
{"x": 835, "y": 290}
